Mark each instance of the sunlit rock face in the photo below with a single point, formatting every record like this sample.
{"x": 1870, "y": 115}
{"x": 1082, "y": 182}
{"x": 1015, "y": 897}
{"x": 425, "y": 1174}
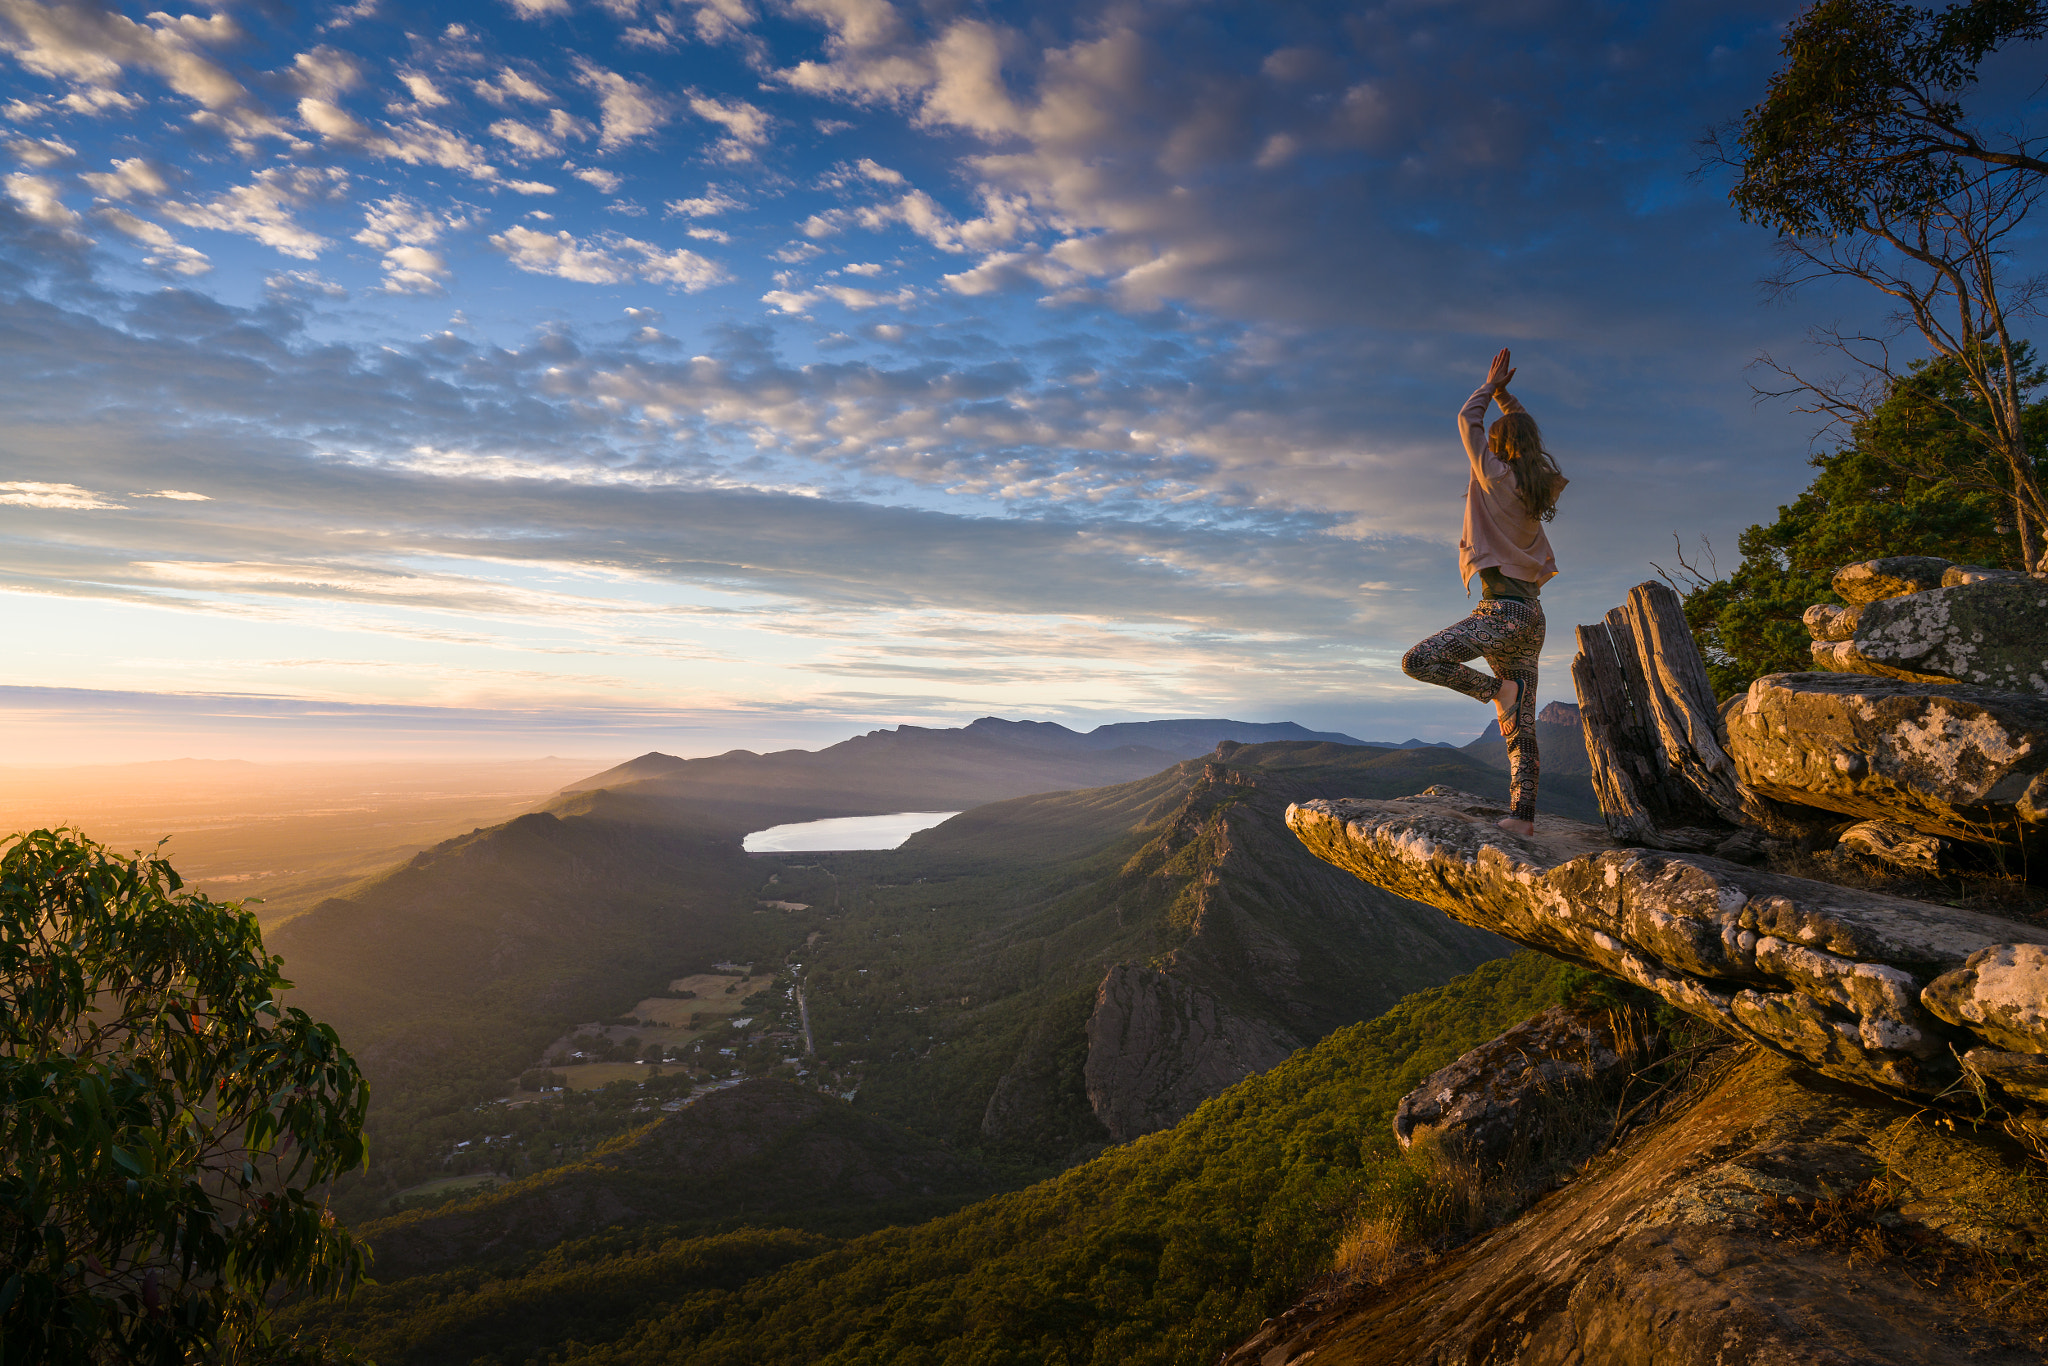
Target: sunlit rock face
{"x": 1947, "y": 759}
{"x": 1873, "y": 580}
{"x": 1828, "y": 975}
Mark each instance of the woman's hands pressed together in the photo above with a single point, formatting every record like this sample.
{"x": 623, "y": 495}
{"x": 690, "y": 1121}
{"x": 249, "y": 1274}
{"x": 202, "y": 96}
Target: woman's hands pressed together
{"x": 1501, "y": 371}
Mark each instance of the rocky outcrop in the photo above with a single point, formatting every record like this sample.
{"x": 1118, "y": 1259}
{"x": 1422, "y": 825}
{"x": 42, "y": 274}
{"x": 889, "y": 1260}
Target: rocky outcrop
{"x": 1158, "y": 1047}
{"x": 1493, "y": 1099}
{"x": 1993, "y": 633}
{"x": 1767, "y": 1221}
{"x": 1820, "y": 973}
{"x": 1947, "y": 759}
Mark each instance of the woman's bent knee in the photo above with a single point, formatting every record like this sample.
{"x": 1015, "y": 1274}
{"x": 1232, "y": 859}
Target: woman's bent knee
{"x": 1416, "y": 664}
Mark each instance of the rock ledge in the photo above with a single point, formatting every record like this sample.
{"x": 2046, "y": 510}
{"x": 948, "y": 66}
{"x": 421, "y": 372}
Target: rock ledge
{"x": 1828, "y": 975}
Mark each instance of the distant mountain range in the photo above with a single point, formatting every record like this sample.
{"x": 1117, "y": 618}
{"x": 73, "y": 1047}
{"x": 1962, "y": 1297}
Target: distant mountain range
{"x": 910, "y": 768}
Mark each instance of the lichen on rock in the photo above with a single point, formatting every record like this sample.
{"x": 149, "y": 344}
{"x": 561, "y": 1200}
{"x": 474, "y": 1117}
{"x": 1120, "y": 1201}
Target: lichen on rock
{"x": 1947, "y": 759}
{"x": 1992, "y": 632}
{"x": 2001, "y": 993}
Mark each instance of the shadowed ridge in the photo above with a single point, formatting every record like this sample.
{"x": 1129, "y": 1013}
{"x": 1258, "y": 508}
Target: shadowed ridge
{"x": 766, "y": 1150}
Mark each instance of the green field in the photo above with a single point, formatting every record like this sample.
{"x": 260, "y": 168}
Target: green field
{"x": 448, "y": 1185}
{"x": 590, "y": 1076}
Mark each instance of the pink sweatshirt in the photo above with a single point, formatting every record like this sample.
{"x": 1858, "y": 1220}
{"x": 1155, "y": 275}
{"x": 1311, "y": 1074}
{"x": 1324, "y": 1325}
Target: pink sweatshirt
{"x": 1499, "y": 532}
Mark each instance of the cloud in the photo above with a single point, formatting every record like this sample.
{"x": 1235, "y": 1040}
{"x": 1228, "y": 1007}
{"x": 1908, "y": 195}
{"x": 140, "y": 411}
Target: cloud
{"x": 508, "y": 86}
{"x": 745, "y": 124}
{"x": 41, "y": 153}
{"x": 629, "y": 112}
{"x": 405, "y": 231}
{"x": 608, "y": 260}
{"x": 1010, "y": 269}
{"x": 69, "y": 496}
{"x": 872, "y": 53}
{"x": 416, "y": 142}
{"x": 131, "y": 177}
{"x": 349, "y": 15}
{"x": 324, "y": 73}
{"x": 39, "y": 198}
{"x": 175, "y": 495}
{"x": 1002, "y": 219}
{"x": 414, "y": 270}
{"x": 294, "y": 284}
{"x": 525, "y": 138}
{"x": 602, "y": 179}
{"x": 1268, "y": 254}
{"x": 80, "y": 43}
{"x": 167, "y": 254}
{"x": 263, "y": 209}
{"x": 539, "y": 9}
{"x": 421, "y": 87}
{"x": 712, "y": 202}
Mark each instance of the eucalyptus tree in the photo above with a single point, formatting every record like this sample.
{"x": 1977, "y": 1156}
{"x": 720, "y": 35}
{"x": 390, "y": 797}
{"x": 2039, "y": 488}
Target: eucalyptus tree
{"x": 1866, "y": 160}
{"x": 165, "y": 1123}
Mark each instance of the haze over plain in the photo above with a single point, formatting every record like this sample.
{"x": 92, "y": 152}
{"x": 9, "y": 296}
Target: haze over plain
{"x": 491, "y": 379}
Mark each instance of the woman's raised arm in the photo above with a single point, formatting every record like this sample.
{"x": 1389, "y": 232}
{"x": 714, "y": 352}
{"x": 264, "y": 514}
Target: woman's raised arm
{"x": 1472, "y": 418}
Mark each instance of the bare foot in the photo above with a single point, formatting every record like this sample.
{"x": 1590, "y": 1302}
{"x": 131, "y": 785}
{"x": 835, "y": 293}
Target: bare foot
{"x": 1526, "y": 829}
{"x": 1504, "y": 704}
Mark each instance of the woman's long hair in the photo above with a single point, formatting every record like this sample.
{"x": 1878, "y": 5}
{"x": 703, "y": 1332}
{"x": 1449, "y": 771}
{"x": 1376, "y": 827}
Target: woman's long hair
{"x": 1518, "y": 441}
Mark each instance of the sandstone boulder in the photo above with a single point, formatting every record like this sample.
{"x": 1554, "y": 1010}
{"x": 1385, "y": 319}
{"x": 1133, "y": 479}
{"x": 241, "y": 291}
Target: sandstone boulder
{"x": 1889, "y": 577}
{"x": 1999, "y": 993}
{"x": 1824, "y": 974}
{"x": 1991, "y": 632}
{"x": 1949, "y": 759}
{"x": 1895, "y": 845}
{"x": 1495, "y": 1098}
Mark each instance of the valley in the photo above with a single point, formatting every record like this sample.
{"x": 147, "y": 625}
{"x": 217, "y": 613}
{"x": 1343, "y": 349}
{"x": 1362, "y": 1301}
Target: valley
{"x": 603, "y": 1031}
{"x": 952, "y": 984}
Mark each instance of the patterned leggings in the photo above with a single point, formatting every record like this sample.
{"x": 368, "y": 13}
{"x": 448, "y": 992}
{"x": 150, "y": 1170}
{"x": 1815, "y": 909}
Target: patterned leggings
{"x": 1509, "y": 633}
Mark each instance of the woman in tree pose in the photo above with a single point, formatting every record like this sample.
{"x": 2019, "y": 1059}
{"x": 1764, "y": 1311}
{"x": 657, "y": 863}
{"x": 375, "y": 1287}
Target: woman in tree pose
{"x": 1513, "y": 492}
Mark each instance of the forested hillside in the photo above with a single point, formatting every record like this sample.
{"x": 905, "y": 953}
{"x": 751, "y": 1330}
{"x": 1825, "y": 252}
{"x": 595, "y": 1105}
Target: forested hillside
{"x": 450, "y": 974}
{"x": 1163, "y": 1250}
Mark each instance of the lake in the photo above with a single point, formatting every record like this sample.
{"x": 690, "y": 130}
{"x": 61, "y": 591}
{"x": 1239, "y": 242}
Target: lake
{"x": 844, "y": 832}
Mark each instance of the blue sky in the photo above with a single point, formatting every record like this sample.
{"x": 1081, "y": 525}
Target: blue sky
{"x": 591, "y": 376}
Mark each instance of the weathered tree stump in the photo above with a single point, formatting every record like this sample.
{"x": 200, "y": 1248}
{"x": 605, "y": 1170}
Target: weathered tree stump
{"x": 1651, "y": 727}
